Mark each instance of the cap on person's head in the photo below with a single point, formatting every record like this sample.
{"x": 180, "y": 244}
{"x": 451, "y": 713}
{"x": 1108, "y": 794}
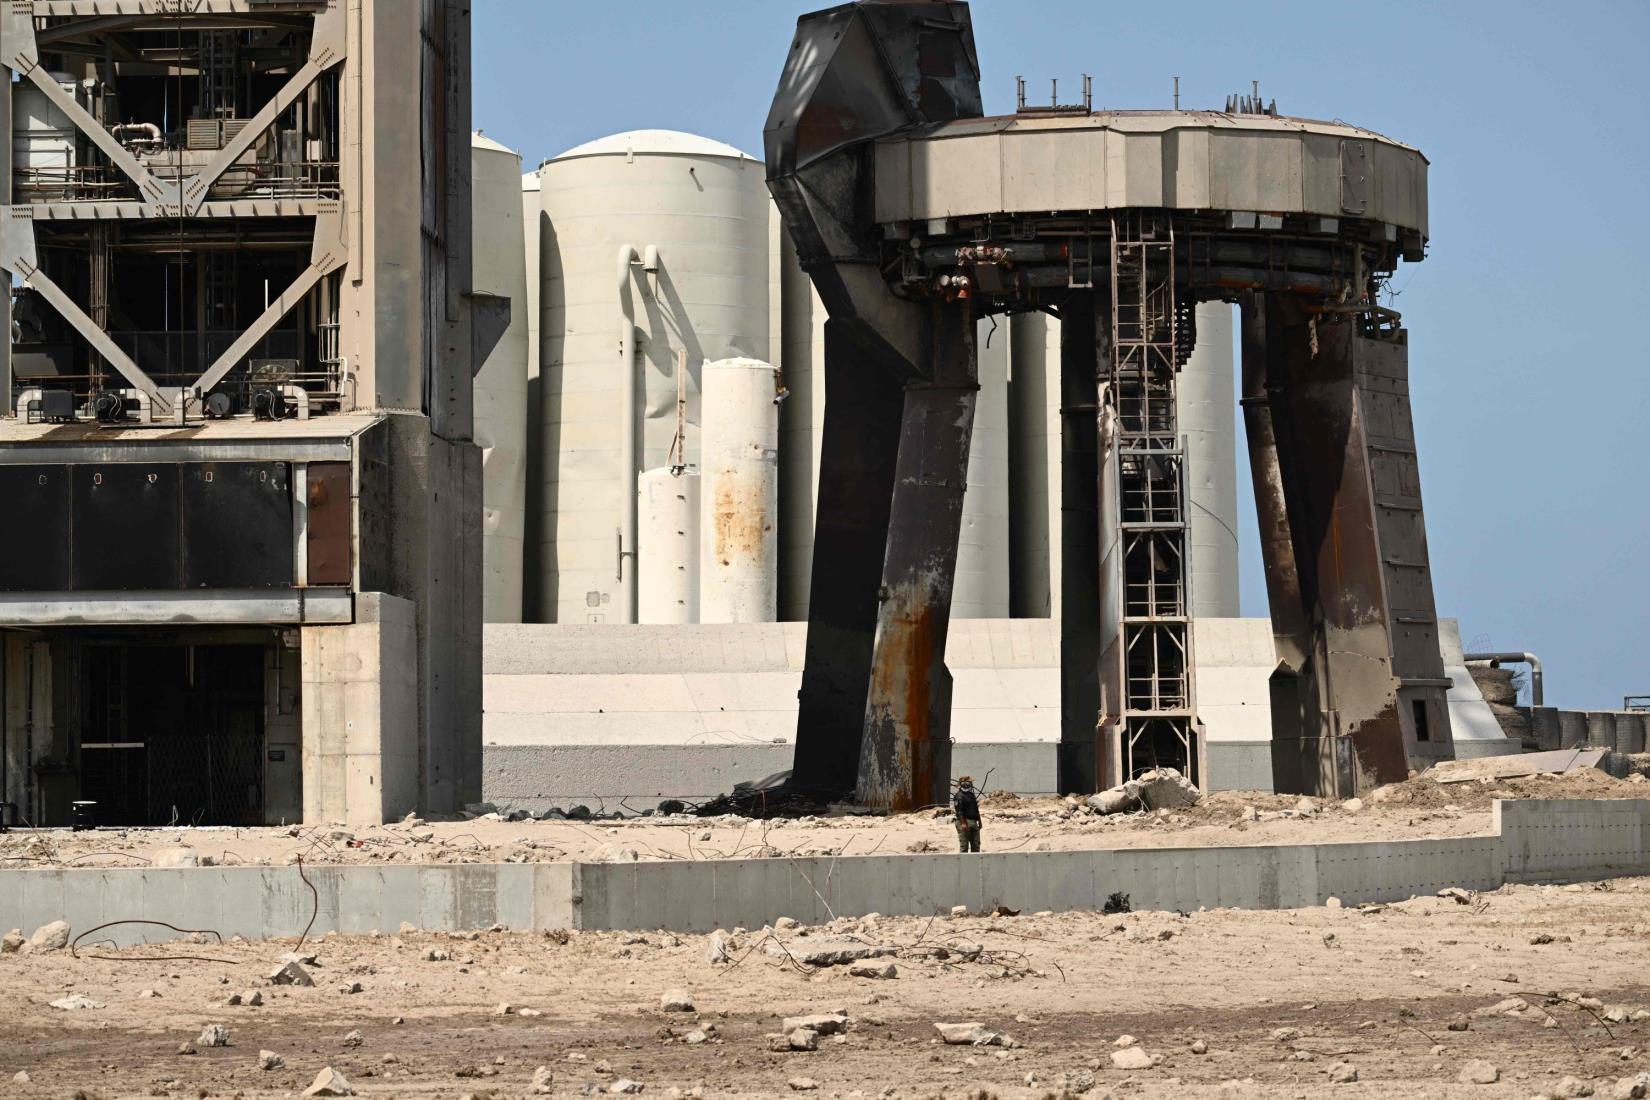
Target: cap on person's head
{"x": 965, "y": 781}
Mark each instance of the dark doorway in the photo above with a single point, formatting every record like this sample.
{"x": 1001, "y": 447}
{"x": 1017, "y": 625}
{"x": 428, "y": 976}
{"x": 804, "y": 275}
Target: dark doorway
{"x": 173, "y": 734}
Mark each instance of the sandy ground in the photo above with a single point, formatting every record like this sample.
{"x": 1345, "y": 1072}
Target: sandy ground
{"x": 1418, "y": 808}
{"x": 1378, "y": 989}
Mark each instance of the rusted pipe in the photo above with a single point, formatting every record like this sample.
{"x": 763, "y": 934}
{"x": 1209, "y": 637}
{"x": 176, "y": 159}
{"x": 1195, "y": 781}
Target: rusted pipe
{"x": 1495, "y": 660}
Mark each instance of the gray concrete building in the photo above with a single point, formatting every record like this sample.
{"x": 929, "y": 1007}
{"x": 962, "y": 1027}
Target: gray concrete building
{"x": 240, "y": 574}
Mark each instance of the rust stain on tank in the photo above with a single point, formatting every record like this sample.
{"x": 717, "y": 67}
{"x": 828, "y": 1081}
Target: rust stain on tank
{"x": 739, "y": 518}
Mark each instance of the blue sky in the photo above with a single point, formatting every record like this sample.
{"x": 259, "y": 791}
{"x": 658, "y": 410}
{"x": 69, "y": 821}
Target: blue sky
{"x": 1529, "y": 348}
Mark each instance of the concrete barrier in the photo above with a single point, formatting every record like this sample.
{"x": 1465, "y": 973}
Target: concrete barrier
{"x": 1530, "y": 841}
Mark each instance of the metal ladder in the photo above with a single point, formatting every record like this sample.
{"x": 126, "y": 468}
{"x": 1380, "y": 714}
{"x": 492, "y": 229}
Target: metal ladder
{"x": 1151, "y": 338}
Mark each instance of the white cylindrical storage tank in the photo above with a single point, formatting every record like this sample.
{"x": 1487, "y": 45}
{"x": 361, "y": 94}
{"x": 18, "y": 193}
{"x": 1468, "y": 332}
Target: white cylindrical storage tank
{"x": 801, "y": 428}
{"x": 982, "y": 583}
{"x": 1034, "y": 464}
{"x": 655, "y": 245}
{"x": 531, "y": 215}
{"x": 500, "y": 392}
{"x": 667, "y": 578}
{"x": 739, "y": 511}
{"x": 1207, "y": 409}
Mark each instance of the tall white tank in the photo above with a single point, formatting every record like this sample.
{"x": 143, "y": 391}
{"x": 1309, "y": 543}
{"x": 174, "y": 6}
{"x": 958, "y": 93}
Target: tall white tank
{"x": 667, "y": 577}
{"x": 739, "y": 513}
{"x": 1207, "y": 408}
{"x": 690, "y": 217}
{"x": 501, "y": 385}
{"x": 531, "y": 216}
{"x": 982, "y": 584}
{"x": 1034, "y": 401}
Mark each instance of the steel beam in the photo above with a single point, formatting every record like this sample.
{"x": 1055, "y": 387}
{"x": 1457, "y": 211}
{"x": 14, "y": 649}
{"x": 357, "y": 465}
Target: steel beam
{"x": 1359, "y": 694}
{"x": 905, "y": 755}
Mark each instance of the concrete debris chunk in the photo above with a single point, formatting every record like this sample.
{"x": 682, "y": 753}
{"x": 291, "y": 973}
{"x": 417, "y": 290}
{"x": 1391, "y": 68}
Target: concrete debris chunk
{"x": 1456, "y": 894}
{"x": 695, "y": 1037}
{"x": 872, "y": 970}
{"x": 676, "y": 1000}
{"x": 544, "y": 1080}
{"x": 1199, "y": 1047}
{"x": 787, "y": 924}
{"x": 803, "y": 1038}
{"x": 181, "y": 856}
{"x": 268, "y": 1059}
{"x": 802, "y": 1084}
{"x": 291, "y": 974}
{"x": 612, "y": 853}
{"x": 1343, "y": 1073}
{"x": 1131, "y": 1058}
{"x": 329, "y": 1082}
{"x": 1635, "y": 1087}
{"x": 1285, "y": 1034}
{"x": 1479, "y": 1072}
{"x": 12, "y": 942}
{"x": 21, "y": 1077}
{"x": 213, "y": 1035}
{"x": 717, "y": 949}
{"x": 352, "y": 1038}
{"x": 823, "y": 1023}
{"x": 1507, "y": 1006}
{"x": 973, "y": 1033}
{"x": 435, "y": 954}
{"x": 75, "y": 1002}
{"x": 624, "y": 1085}
{"x": 1117, "y": 800}
{"x": 50, "y": 937}
{"x": 1572, "y": 1088}
{"x": 826, "y": 952}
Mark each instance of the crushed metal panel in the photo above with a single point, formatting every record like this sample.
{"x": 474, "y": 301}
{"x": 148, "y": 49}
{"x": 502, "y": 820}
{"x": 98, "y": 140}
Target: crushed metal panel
{"x": 1355, "y": 170}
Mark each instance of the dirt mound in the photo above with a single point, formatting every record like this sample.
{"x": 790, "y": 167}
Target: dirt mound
{"x": 1423, "y": 793}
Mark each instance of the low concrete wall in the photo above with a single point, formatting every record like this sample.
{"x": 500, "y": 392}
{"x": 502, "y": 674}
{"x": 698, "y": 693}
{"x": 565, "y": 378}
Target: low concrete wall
{"x": 1531, "y": 841}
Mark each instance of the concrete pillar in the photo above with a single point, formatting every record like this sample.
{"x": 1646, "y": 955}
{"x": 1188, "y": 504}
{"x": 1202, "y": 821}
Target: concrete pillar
{"x": 1034, "y": 466}
{"x": 360, "y": 724}
{"x": 1207, "y": 411}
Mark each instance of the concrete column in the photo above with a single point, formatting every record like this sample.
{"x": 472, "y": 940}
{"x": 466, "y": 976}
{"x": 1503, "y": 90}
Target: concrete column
{"x": 1034, "y": 466}
{"x": 360, "y": 724}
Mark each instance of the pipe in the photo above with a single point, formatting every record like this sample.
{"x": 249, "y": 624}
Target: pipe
{"x": 146, "y": 411}
{"x": 627, "y": 434}
{"x": 24, "y": 400}
{"x": 1495, "y": 659}
{"x": 145, "y": 127}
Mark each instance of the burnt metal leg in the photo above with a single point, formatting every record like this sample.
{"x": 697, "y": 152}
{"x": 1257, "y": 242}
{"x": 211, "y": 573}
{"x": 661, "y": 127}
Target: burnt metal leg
{"x": 1370, "y": 679}
{"x": 861, "y": 438}
{"x": 1079, "y": 578}
{"x": 905, "y": 757}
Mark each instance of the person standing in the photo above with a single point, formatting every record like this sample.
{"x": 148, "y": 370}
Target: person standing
{"x": 966, "y": 805}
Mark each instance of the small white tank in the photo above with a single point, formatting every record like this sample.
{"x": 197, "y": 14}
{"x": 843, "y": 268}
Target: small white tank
{"x": 1034, "y": 400}
{"x": 1207, "y": 408}
{"x": 801, "y": 429}
{"x": 981, "y": 587}
{"x": 667, "y": 576}
{"x": 697, "y": 212}
{"x": 739, "y": 462}
{"x": 501, "y": 385}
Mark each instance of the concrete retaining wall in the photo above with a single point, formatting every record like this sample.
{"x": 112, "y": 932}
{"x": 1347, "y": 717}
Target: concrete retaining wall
{"x": 1532, "y": 841}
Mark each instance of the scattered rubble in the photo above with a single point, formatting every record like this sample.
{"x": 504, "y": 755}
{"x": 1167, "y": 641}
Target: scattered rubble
{"x": 1131, "y": 1057}
{"x": 76, "y": 1002}
{"x": 291, "y": 974}
{"x": 50, "y": 937}
{"x": 329, "y": 1082}
{"x": 1479, "y": 1072}
{"x": 213, "y": 1035}
{"x": 544, "y": 1080}
{"x": 973, "y": 1034}
{"x": 268, "y": 1059}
